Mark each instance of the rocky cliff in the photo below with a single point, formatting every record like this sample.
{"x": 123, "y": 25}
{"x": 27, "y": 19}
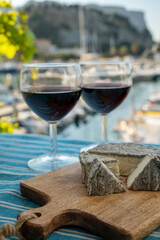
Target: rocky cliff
{"x": 60, "y": 24}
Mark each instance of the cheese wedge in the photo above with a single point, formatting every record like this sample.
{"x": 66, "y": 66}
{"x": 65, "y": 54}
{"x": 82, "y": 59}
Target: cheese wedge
{"x": 146, "y": 175}
{"x": 101, "y": 181}
{"x": 86, "y": 160}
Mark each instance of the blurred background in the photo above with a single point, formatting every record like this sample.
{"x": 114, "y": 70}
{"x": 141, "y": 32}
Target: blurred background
{"x": 73, "y": 31}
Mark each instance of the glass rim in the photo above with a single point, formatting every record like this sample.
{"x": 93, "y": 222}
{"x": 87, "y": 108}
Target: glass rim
{"x": 105, "y": 62}
{"x": 49, "y": 65}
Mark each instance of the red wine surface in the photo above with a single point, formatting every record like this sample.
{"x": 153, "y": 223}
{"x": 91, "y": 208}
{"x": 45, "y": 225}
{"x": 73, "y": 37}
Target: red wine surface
{"x": 104, "y": 97}
{"x": 51, "y": 103}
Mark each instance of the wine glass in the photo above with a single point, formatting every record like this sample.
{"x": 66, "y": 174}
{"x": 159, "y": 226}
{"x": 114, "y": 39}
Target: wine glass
{"x": 104, "y": 87}
{"x": 51, "y": 90}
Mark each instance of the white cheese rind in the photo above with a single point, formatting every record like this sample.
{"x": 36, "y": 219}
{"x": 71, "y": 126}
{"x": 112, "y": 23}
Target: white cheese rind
{"x": 146, "y": 175}
{"x": 101, "y": 181}
{"x": 86, "y": 160}
{"x": 125, "y": 149}
{"x": 128, "y": 154}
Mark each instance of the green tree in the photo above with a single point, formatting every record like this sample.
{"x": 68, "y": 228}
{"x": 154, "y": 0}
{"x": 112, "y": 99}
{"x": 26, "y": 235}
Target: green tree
{"x": 123, "y": 50}
{"x": 134, "y": 48}
{"x": 112, "y": 52}
{"x": 15, "y": 36}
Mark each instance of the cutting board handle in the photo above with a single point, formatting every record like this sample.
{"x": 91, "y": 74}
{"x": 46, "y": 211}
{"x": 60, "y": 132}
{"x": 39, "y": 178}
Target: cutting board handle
{"x": 47, "y": 221}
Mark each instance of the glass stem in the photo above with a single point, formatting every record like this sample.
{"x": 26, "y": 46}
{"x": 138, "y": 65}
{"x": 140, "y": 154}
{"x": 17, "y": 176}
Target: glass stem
{"x": 104, "y": 132}
{"x": 53, "y": 139}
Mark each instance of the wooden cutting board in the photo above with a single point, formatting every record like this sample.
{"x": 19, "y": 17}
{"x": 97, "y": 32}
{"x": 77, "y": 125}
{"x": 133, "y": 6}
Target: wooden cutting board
{"x": 124, "y": 216}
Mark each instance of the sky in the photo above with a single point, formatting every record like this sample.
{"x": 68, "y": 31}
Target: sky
{"x": 151, "y": 9}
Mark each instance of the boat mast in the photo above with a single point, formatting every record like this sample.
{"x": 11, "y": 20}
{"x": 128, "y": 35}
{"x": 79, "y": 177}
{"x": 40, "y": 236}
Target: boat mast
{"x": 82, "y": 30}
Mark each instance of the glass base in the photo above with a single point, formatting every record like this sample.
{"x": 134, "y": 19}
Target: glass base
{"x": 46, "y": 163}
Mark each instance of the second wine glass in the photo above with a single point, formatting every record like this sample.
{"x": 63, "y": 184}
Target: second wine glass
{"x": 51, "y": 91}
{"x": 104, "y": 87}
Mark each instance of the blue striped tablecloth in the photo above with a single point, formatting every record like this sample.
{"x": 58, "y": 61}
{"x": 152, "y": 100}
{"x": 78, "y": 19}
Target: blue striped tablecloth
{"x": 15, "y": 151}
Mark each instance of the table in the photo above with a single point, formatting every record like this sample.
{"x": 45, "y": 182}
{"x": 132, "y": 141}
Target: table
{"x": 15, "y": 151}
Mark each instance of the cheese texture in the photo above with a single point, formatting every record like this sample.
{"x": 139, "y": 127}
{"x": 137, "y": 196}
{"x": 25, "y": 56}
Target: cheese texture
{"x": 101, "y": 181}
{"x": 146, "y": 175}
{"x": 86, "y": 160}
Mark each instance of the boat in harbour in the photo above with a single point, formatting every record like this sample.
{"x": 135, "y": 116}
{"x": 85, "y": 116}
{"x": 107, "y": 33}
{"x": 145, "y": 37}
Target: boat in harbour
{"x": 144, "y": 126}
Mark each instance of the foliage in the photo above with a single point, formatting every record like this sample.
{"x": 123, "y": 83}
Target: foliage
{"x": 112, "y": 52}
{"x": 134, "y": 48}
{"x": 123, "y": 50}
{"x": 15, "y": 36}
{"x": 7, "y": 127}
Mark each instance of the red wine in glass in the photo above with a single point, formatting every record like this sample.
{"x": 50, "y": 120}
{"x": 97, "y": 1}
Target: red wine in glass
{"x": 105, "y": 84}
{"x": 51, "y": 90}
{"x": 104, "y": 97}
{"x": 51, "y": 103}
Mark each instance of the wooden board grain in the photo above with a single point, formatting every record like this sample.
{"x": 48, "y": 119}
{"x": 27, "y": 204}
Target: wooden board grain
{"x": 124, "y": 216}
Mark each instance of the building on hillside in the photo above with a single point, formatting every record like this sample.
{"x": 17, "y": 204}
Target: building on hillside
{"x": 44, "y": 46}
